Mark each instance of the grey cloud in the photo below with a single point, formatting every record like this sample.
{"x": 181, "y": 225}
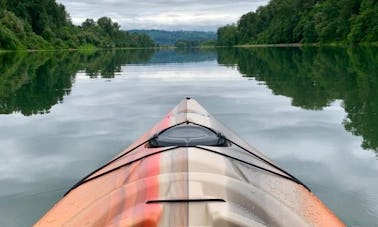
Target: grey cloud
{"x": 163, "y": 14}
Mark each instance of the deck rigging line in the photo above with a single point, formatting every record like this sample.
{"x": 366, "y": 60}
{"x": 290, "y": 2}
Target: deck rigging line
{"x": 288, "y": 177}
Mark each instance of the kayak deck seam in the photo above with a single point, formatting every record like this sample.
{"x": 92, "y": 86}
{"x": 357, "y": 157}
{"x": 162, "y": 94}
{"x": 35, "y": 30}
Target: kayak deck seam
{"x": 86, "y": 178}
{"x": 199, "y": 147}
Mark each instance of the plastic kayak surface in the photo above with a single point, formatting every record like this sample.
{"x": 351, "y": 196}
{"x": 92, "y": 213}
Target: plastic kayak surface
{"x": 189, "y": 170}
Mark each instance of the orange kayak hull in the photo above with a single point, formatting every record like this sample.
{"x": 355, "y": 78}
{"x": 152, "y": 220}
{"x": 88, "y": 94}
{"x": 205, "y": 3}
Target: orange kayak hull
{"x": 226, "y": 184}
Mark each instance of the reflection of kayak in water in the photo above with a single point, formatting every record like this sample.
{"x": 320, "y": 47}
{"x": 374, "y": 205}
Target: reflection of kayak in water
{"x": 189, "y": 170}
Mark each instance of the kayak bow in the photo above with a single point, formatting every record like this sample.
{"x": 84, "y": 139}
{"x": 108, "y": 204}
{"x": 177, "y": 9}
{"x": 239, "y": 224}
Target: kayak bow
{"x": 189, "y": 170}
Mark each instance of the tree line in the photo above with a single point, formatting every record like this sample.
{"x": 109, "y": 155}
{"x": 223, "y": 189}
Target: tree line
{"x": 305, "y": 21}
{"x": 45, "y": 24}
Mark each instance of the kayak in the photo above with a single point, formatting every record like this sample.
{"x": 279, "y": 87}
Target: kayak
{"x": 189, "y": 170}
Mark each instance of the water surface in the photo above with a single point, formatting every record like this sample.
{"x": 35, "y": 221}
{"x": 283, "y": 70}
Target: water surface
{"x": 313, "y": 111}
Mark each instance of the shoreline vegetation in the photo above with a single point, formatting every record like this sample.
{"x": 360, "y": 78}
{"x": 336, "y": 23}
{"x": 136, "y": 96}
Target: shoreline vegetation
{"x": 104, "y": 49}
{"x": 278, "y": 45}
{"x": 308, "y": 22}
{"x": 331, "y": 44}
{"x": 157, "y": 47}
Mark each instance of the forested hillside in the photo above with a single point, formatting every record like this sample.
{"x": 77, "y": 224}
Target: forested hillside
{"x": 305, "y": 21}
{"x": 45, "y": 24}
{"x": 171, "y": 38}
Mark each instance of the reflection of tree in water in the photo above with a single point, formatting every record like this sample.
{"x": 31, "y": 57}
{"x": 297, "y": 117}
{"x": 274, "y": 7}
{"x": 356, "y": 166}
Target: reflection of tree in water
{"x": 106, "y": 63}
{"x": 314, "y": 77}
{"x": 32, "y": 83}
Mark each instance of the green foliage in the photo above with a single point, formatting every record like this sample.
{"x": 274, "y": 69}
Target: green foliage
{"x": 228, "y": 35}
{"x": 209, "y": 43}
{"x": 34, "y": 41}
{"x": 108, "y": 26}
{"x": 88, "y": 24}
{"x": 45, "y": 24}
{"x": 249, "y": 26}
{"x": 9, "y": 40}
{"x": 365, "y": 24}
{"x": 305, "y": 21}
{"x": 193, "y": 43}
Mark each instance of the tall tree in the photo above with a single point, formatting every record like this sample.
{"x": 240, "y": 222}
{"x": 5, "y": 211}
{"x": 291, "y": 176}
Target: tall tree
{"x": 307, "y": 21}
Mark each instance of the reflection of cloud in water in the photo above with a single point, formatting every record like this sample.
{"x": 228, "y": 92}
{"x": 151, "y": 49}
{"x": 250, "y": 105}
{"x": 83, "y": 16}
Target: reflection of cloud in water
{"x": 188, "y": 72}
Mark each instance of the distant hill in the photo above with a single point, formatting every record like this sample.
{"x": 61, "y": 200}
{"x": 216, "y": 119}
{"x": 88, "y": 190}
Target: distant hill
{"x": 162, "y": 37}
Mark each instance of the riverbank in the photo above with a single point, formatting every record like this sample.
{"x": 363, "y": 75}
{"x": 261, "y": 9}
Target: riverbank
{"x": 82, "y": 49}
{"x": 92, "y": 48}
{"x": 303, "y": 45}
{"x": 99, "y": 49}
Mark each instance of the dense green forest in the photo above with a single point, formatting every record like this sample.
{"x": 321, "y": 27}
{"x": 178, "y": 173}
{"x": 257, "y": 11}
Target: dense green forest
{"x": 178, "y": 38}
{"x": 314, "y": 77}
{"x": 45, "y": 24}
{"x": 305, "y": 21}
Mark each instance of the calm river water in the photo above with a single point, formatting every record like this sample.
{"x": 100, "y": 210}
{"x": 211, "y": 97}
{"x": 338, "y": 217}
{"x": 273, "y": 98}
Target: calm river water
{"x": 314, "y": 111}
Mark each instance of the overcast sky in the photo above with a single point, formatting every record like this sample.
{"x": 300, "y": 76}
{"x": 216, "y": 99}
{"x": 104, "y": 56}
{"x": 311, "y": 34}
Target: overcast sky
{"x": 204, "y": 15}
